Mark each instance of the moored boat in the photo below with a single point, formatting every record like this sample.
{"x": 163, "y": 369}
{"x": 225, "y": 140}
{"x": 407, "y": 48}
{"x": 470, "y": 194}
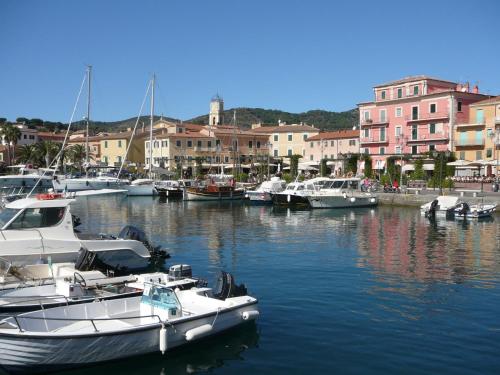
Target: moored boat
{"x": 264, "y": 193}
{"x": 474, "y": 211}
{"x": 341, "y": 193}
{"x": 34, "y": 229}
{"x": 215, "y": 188}
{"x": 80, "y": 335}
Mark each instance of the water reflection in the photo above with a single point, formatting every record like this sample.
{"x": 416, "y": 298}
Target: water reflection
{"x": 402, "y": 242}
{"x": 202, "y": 356}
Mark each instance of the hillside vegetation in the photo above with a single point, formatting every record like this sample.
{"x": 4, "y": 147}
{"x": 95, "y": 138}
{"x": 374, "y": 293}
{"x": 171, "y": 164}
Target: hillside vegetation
{"x": 245, "y": 117}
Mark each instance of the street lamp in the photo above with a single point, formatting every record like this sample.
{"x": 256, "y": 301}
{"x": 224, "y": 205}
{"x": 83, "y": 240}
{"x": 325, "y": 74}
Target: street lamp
{"x": 495, "y": 137}
{"x": 441, "y": 159}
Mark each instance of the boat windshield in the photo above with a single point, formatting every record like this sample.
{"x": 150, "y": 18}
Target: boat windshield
{"x": 6, "y": 215}
{"x": 159, "y": 296}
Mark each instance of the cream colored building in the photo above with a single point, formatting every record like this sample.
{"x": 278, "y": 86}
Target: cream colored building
{"x": 286, "y": 140}
{"x": 479, "y": 138}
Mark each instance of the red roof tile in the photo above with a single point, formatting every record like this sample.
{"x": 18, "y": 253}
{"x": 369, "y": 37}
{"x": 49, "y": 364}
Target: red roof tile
{"x": 338, "y": 134}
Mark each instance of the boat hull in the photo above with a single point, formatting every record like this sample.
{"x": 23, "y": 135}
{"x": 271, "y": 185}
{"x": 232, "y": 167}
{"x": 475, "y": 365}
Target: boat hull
{"x": 342, "y": 202}
{"x": 218, "y": 196}
{"x": 75, "y": 184}
{"x": 170, "y": 193}
{"x": 22, "y": 352}
{"x": 290, "y": 200}
{"x": 25, "y": 182}
{"x": 141, "y": 190}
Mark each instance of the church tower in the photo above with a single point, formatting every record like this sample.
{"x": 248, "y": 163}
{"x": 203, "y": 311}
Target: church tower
{"x": 216, "y": 116}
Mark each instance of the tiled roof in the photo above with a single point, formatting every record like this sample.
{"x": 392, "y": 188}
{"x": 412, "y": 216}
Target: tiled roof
{"x": 494, "y": 100}
{"x": 285, "y": 129}
{"x": 50, "y": 135}
{"x": 339, "y": 134}
{"x": 412, "y": 79}
{"x": 192, "y": 135}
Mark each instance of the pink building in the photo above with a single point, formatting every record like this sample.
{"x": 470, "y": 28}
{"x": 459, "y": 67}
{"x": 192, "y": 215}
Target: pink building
{"x": 413, "y": 115}
{"x": 333, "y": 146}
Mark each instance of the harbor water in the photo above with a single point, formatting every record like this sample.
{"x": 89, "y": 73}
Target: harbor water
{"x": 367, "y": 291}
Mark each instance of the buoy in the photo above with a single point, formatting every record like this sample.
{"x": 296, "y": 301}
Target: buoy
{"x": 163, "y": 340}
{"x": 250, "y": 315}
{"x": 198, "y": 332}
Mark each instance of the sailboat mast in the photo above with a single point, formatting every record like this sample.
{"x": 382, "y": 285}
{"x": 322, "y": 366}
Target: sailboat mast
{"x": 89, "y": 72}
{"x": 151, "y": 127}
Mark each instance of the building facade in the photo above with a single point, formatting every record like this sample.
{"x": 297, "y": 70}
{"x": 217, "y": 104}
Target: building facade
{"x": 113, "y": 148}
{"x": 286, "y": 140}
{"x": 478, "y": 139}
{"x": 412, "y": 116}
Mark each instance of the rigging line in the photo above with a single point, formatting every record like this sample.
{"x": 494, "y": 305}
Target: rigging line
{"x": 61, "y": 152}
{"x": 163, "y": 100}
{"x": 135, "y": 127}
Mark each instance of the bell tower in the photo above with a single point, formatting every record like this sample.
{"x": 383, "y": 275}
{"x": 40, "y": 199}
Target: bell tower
{"x": 216, "y": 116}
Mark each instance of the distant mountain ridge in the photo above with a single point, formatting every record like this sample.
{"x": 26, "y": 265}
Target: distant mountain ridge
{"x": 324, "y": 120}
{"x": 245, "y": 117}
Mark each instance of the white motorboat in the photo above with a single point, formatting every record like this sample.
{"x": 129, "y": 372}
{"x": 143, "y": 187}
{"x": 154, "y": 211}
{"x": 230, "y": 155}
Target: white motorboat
{"x": 443, "y": 206}
{"x": 72, "y": 286}
{"x": 28, "y": 177}
{"x": 341, "y": 193}
{"x": 264, "y": 193}
{"x": 34, "y": 229}
{"x": 61, "y": 184}
{"x": 80, "y": 335}
{"x": 296, "y": 193}
{"x": 473, "y": 211}
{"x": 141, "y": 187}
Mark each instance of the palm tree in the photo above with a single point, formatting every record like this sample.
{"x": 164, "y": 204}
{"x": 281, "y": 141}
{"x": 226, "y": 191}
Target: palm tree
{"x": 10, "y": 134}
{"x": 47, "y": 151}
{"x": 77, "y": 155}
{"x": 27, "y": 154}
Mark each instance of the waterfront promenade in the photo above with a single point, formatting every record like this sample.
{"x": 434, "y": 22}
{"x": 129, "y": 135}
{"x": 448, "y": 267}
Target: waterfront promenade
{"x": 416, "y": 198}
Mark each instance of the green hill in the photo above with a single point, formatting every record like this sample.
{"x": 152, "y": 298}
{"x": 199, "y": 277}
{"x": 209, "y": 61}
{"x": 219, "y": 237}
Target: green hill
{"x": 324, "y": 120}
{"x": 245, "y": 117}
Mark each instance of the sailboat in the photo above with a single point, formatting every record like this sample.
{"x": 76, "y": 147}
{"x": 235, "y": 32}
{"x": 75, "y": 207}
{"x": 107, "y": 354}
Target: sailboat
{"x": 145, "y": 186}
{"x": 101, "y": 181}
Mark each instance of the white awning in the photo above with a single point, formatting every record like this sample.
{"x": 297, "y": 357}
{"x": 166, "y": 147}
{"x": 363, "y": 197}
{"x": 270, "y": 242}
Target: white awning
{"x": 408, "y": 167}
{"x": 428, "y": 167}
{"x": 380, "y": 164}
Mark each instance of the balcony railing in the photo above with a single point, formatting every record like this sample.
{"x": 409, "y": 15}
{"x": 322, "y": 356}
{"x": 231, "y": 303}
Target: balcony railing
{"x": 205, "y": 149}
{"x": 471, "y": 125}
{"x": 373, "y": 140}
{"x": 427, "y": 116}
{"x": 370, "y": 122}
{"x": 428, "y": 138}
{"x": 469, "y": 142}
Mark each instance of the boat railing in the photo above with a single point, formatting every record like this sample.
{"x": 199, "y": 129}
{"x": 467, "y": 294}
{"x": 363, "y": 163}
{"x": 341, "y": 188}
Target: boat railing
{"x": 27, "y": 230}
{"x": 92, "y": 321}
{"x": 25, "y": 299}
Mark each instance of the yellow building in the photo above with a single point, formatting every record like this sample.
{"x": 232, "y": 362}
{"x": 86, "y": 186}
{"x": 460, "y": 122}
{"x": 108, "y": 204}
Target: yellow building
{"x": 479, "y": 139}
{"x": 113, "y": 147}
{"x": 286, "y": 140}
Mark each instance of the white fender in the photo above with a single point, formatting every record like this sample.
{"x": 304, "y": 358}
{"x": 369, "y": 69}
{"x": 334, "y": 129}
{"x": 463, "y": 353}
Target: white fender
{"x": 163, "y": 340}
{"x": 353, "y": 199}
{"x": 288, "y": 198}
{"x": 198, "y": 332}
{"x": 372, "y": 200}
{"x": 250, "y": 315}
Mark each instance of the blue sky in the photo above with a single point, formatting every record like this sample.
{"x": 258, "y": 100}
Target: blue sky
{"x": 289, "y": 55}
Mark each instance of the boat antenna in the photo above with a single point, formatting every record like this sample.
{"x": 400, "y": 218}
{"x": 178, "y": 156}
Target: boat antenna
{"x": 134, "y": 130}
{"x": 58, "y": 157}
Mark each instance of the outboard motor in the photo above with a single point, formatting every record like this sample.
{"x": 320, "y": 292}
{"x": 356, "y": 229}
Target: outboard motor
{"x": 463, "y": 209}
{"x": 431, "y": 213}
{"x": 130, "y": 232}
{"x": 225, "y": 287}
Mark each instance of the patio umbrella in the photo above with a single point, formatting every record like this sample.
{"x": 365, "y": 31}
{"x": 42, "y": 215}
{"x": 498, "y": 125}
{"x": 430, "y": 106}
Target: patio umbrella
{"x": 459, "y": 163}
